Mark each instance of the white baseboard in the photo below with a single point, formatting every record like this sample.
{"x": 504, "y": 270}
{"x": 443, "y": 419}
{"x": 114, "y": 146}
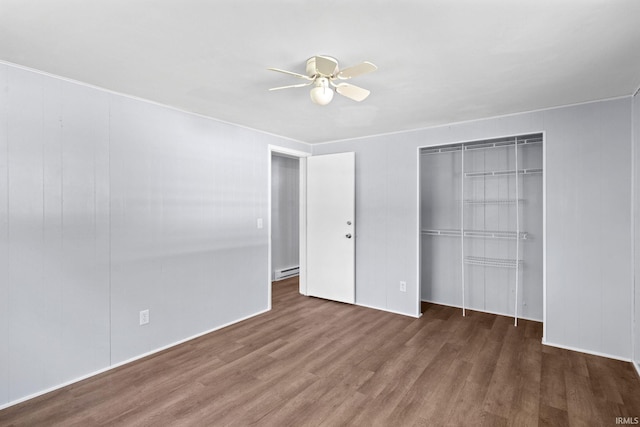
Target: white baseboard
{"x": 387, "y": 310}
{"x": 133, "y": 359}
{"x": 582, "y": 350}
{"x": 483, "y": 311}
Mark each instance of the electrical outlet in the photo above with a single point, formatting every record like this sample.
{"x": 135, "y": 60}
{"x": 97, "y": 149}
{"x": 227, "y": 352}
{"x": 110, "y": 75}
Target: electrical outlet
{"x": 259, "y": 223}
{"x": 403, "y": 286}
{"x": 144, "y": 317}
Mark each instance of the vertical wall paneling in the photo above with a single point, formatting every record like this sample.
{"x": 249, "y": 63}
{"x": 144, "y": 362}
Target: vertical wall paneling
{"x": 52, "y": 218}
{"x": 588, "y": 257}
{"x": 109, "y": 206}
{"x": 27, "y": 287}
{"x": 616, "y": 218}
{"x": 371, "y": 224}
{"x": 58, "y": 262}
{"x": 4, "y": 237}
{"x": 401, "y": 186}
{"x": 84, "y": 291}
{"x": 587, "y": 165}
{"x": 183, "y": 219}
{"x": 285, "y": 205}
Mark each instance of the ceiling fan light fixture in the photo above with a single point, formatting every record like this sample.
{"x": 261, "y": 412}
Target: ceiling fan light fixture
{"x": 323, "y": 72}
{"x": 321, "y": 93}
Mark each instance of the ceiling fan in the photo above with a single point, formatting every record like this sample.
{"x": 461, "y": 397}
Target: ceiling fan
{"x": 323, "y": 72}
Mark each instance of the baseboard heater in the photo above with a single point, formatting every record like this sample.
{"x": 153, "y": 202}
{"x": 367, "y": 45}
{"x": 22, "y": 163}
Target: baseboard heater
{"x": 286, "y": 272}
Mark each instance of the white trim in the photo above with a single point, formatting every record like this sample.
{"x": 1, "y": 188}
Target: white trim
{"x": 635, "y": 365}
{"x": 446, "y": 125}
{"x": 387, "y": 310}
{"x": 125, "y": 362}
{"x": 419, "y": 236}
{"x": 495, "y": 313}
{"x": 634, "y": 201}
{"x": 269, "y": 260}
{"x": 148, "y": 101}
{"x": 288, "y": 151}
{"x": 582, "y": 350}
{"x": 310, "y": 144}
{"x": 544, "y": 235}
{"x": 302, "y": 220}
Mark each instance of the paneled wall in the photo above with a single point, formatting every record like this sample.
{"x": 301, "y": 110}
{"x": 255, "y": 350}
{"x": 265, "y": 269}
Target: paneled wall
{"x": 4, "y": 239}
{"x": 285, "y": 206}
{"x": 588, "y": 220}
{"x": 109, "y": 206}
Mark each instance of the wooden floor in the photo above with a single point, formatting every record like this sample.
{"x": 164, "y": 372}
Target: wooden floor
{"x": 316, "y": 362}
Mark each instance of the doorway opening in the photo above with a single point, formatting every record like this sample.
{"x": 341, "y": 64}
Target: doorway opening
{"x": 285, "y": 218}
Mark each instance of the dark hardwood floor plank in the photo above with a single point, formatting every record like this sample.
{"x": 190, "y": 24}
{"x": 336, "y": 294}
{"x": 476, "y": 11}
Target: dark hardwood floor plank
{"x": 553, "y": 391}
{"x": 311, "y": 362}
{"x": 466, "y": 408}
{"x": 552, "y": 417}
{"x": 581, "y": 402}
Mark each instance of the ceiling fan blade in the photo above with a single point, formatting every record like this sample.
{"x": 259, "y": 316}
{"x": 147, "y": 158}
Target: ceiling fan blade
{"x": 326, "y": 66}
{"x": 291, "y": 73}
{"x": 357, "y": 70}
{"x": 289, "y": 86}
{"x": 353, "y": 92}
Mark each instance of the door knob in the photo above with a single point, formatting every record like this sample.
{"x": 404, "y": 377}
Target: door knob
{"x": 348, "y": 236}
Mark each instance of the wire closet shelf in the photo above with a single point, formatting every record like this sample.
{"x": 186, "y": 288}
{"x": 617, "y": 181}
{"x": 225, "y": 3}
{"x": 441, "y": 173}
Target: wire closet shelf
{"x": 514, "y": 143}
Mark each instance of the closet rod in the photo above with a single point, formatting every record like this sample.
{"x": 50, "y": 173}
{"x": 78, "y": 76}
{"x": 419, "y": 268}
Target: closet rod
{"x": 502, "y": 144}
{"x": 493, "y": 201}
{"x": 488, "y": 174}
{"x": 480, "y": 146}
{"x": 485, "y": 234}
{"x": 493, "y": 262}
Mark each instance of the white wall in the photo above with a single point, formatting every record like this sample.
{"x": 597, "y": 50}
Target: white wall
{"x": 588, "y": 165}
{"x": 108, "y": 206}
{"x": 285, "y": 207}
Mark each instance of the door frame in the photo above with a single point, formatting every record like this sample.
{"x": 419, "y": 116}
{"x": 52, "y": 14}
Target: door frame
{"x": 302, "y": 219}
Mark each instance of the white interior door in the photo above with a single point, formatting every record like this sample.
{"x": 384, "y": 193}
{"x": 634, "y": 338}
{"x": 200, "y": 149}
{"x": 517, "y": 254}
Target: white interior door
{"x": 331, "y": 227}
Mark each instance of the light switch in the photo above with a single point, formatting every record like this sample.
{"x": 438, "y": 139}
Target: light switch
{"x": 259, "y": 223}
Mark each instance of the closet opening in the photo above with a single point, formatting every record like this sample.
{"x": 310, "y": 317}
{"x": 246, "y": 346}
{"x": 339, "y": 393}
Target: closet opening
{"x": 481, "y": 226}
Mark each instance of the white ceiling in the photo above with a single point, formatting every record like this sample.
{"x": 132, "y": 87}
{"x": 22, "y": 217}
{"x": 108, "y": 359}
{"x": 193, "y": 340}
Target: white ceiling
{"x": 439, "y": 61}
